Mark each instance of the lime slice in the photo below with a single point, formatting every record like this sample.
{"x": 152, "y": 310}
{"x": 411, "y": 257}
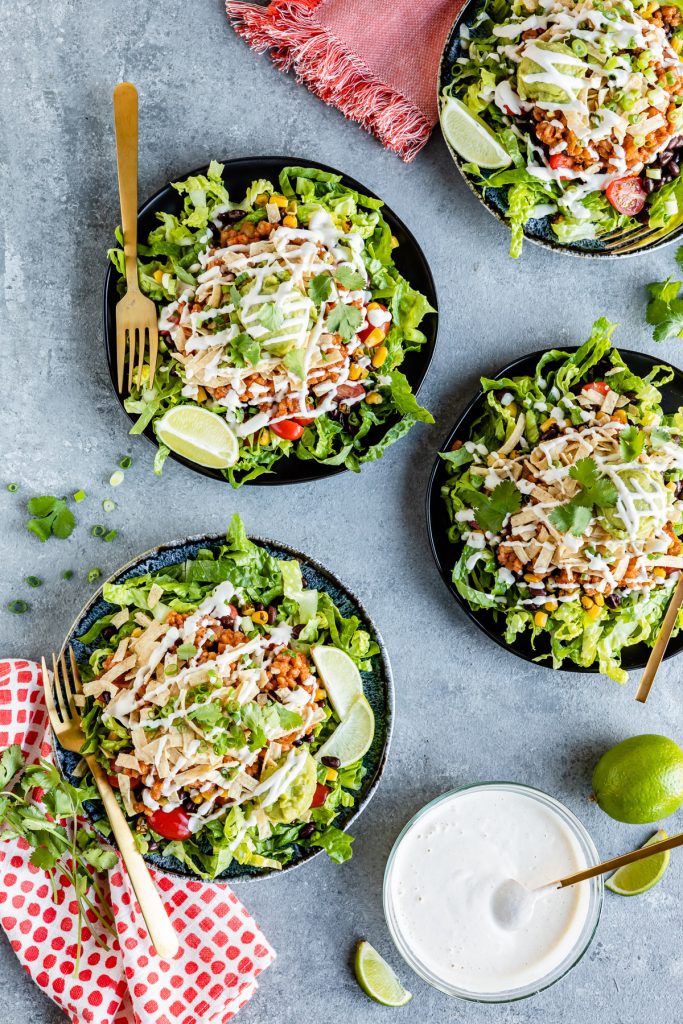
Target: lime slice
{"x": 376, "y": 977}
{"x": 199, "y": 435}
{"x": 470, "y": 137}
{"x": 352, "y": 738}
{"x": 340, "y": 677}
{"x": 633, "y": 879}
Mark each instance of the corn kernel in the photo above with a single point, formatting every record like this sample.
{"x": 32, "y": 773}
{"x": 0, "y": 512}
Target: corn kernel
{"x": 158, "y": 276}
{"x": 550, "y": 606}
{"x": 620, "y": 416}
{"x": 540, "y": 619}
{"x": 547, "y": 424}
{"x": 660, "y": 573}
{"x": 279, "y": 201}
{"x": 320, "y": 694}
{"x": 355, "y": 371}
{"x": 137, "y": 631}
{"x": 677, "y": 44}
{"x": 248, "y": 610}
{"x": 394, "y": 241}
{"x": 492, "y": 459}
{"x": 260, "y": 617}
{"x": 374, "y": 398}
{"x": 512, "y": 408}
{"x": 671, "y": 486}
{"x": 587, "y": 602}
{"x": 331, "y": 775}
{"x": 201, "y": 395}
{"x": 531, "y": 578}
{"x": 292, "y": 206}
{"x": 264, "y": 437}
{"x": 197, "y": 799}
{"x": 144, "y": 373}
{"x": 374, "y": 338}
{"x": 594, "y": 612}
{"x": 380, "y": 356}
{"x": 373, "y": 305}
{"x": 261, "y": 199}
{"x": 364, "y": 373}
{"x": 599, "y": 600}
{"x": 289, "y": 221}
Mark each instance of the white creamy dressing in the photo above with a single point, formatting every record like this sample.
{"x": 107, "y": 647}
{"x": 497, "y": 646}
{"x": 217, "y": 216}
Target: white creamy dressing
{"x": 450, "y": 864}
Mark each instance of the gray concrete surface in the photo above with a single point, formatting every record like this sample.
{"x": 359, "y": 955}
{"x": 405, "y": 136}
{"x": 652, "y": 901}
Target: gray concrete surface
{"x": 466, "y": 710}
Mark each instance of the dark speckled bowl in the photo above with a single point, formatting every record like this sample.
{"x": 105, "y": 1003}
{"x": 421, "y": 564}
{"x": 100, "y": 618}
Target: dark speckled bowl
{"x": 377, "y": 684}
{"x": 537, "y": 230}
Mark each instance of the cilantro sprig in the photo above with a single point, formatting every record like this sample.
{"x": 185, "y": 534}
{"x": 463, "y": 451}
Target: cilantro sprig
{"x": 574, "y": 516}
{"x": 60, "y": 844}
{"x": 490, "y": 511}
{"x": 631, "y": 443}
{"x": 665, "y": 308}
{"x": 344, "y": 320}
{"x": 51, "y": 516}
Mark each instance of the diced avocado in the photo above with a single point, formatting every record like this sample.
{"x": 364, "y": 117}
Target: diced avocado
{"x": 296, "y": 800}
{"x": 542, "y": 91}
{"x": 637, "y": 481}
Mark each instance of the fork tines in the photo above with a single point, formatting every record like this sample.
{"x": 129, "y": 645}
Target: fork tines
{"x": 60, "y": 694}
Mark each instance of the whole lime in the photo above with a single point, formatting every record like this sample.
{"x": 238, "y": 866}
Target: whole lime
{"x": 640, "y": 779}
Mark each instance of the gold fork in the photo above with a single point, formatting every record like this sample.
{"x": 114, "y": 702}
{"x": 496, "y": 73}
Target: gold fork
{"x": 136, "y": 315}
{"x": 621, "y": 241}
{"x": 65, "y": 719}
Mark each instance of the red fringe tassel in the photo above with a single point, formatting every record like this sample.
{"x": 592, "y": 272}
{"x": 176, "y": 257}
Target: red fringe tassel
{"x": 296, "y": 40}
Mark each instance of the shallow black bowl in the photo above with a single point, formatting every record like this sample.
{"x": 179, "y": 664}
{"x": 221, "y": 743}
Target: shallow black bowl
{"x": 537, "y": 230}
{"x": 377, "y": 684}
{"x": 237, "y": 175}
{"x": 446, "y": 553}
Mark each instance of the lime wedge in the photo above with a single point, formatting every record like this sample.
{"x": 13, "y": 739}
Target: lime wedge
{"x": 340, "y": 677}
{"x": 376, "y": 977}
{"x": 470, "y": 137}
{"x": 199, "y": 435}
{"x": 352, "y": 738}
{"x": 633, "y": 879}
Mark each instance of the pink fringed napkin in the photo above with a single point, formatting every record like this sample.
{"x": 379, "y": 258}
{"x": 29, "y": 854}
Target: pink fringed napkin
{"x": 375, "y": 60}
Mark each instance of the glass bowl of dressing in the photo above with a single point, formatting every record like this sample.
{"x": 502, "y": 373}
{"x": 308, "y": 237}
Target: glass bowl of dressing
{"x": 444, "y": 869}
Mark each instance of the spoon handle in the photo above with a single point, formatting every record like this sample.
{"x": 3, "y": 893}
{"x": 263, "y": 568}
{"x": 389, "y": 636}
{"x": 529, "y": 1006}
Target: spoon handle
{"x": 619, "y": 862}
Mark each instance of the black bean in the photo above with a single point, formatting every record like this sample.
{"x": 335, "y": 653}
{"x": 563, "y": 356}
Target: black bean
{"x": 679, "y": 489}
{"x": 215, "y": 232}
{"x": 307, "y": 830}
{"x": 297, "y": 630}
{"x": 228, "y": 621}
{"x": 331, "y": 762}
{"x": 272, "y": 615}
{"x": 297, "y": 743}
{"x": 613, "y": 600}
{"x": 309, "y": 737}
{"x": 549, "y": 434}
{"x": 674, "y": 169}
{"x": 230, "y": 216}
{"x": 260, "y": 607}
{"x": 648, "y": 185}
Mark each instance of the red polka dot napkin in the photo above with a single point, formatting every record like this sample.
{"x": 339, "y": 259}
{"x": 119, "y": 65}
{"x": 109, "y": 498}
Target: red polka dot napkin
{"x": 222, "y": 950}
{"x": 375, "y": 60}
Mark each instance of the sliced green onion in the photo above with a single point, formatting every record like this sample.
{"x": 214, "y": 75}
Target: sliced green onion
{"x": 111, "y": 535}
{"x": 670, "y": 78}
{"x": 108, "y": 505}
{"x": 612, "y": 63}
{"x": 18, "y": 607}
{"x": 186, "y": 651}
{"x": 654, "y": 172}
{"x": 79, "y": 496}
{"x": 12, "y": 488}
{"x": 171, "y": 670}
{"x": 126, "y": 462}
{"x": 629, "y": 100}
{"x": 98, "y": 530}
{"x": 93, "y": 575}
{"x": 34, "y": 581}
{"x": 579, "y": 47}
{"x": 68, "y": 574}
{"x": 116, "y": 478}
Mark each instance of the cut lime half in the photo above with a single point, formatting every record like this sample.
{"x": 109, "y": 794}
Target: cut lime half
{"x": 352, "y": 737}
{"x": 199, "y": 435}
{"x": 376, "y": 977}
{"x": 339, "y": 676}
{"x": 635, "y": 878}
{"x": 470, "y": 137}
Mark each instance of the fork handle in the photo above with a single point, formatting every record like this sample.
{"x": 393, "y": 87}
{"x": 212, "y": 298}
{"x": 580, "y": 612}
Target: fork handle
{"x": 161, "y": 931}
{"x": 126, "y": 127}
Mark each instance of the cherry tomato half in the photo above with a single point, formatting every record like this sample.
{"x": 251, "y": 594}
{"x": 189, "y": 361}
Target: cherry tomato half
{"x": 171, "y": 824}
{"x": 560, "y": 160}
{"x": 349, "y": 391}
{"x": 627, "y": 195}
{"x": 384, "y": 328}
{"x": 305, "y": 421}
{"x": 320, "y": 796}
{"x": 601, "y": 386}
{"x": 291, "y": 430}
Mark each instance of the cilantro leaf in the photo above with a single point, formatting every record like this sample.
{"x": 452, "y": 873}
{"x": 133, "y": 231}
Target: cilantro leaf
{"x": 571, "y": 518}
{"x": 344, "y": 320}
{"x": 665, "y": 310}
{"x": 490, "y": 512}
{"x": 295, "y": 361}
{"x": 319, "y": 288}
{"x": 271, "y": 316}
{"x": 660, "y": 436}
{"x": 288, "y": 719}
{"x": 208, "y": 715}
{"x": 235, "y": 296}
{"x": 575, "y": 515}
{"x": 244, "y": 349}
{"x": 349, "y": 278}
{"x": 631, "y": 442}
{"x": 10, "y": 763}
{"x": 51, "y": 516}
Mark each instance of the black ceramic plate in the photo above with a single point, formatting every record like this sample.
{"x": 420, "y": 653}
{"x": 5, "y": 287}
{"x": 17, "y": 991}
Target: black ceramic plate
{"x": 238, "y": 174}
{"x": 377, "y": 684}
{"x": 446, "y": 553}
{"x": 539, "y": 229}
